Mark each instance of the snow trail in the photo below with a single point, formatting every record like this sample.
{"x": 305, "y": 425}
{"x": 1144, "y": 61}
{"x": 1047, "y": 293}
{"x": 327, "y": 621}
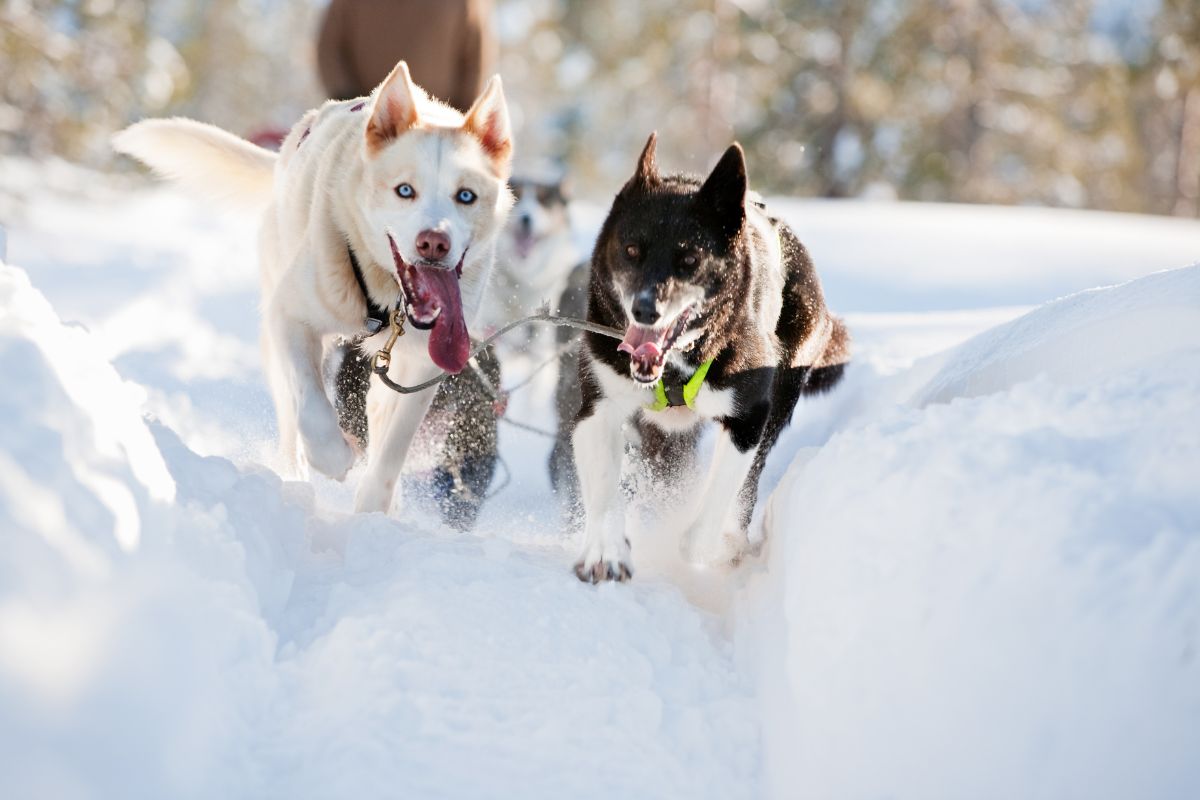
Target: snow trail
{"x": 214, "y": 631}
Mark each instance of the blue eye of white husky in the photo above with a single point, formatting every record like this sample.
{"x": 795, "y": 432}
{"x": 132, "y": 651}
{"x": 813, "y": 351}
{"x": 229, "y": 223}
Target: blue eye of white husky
{"x": 465, "y": 196}
{"x": 406, "y": 191}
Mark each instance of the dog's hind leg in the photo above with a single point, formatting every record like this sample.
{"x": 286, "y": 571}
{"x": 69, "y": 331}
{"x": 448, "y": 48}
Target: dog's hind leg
{"x": 392, "y": 419}
{"x": 790, "y": 384}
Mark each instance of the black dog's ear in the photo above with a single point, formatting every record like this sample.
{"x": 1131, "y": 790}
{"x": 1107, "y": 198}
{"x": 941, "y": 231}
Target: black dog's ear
{"x": 647, "y": 168}
{"x": 723, "y": 195}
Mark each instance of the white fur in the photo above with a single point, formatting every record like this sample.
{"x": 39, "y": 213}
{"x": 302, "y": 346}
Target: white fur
{"x": 772, "y": 274}
{"x": 599, "y": 443}
{"x": 211, "y": 161}
{"x": 714, "y": 535}
{"x": 333, "y": 184}
{"x": 599, "y": 449}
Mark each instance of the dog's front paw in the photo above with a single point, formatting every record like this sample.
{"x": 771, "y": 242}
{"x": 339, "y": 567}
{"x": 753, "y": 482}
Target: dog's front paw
{"x": 333, "y": 457}
{"x": 374, "y": 494}
{"x": 600, "y": 564}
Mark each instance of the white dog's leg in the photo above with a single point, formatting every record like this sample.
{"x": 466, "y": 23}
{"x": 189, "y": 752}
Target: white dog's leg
{"x": 297, "y": 352}
{"x": 715, "y": 535}
{"x": 392, "y": 419}
{"x": 284, "y": 399}
{"x": 599, "y": 450}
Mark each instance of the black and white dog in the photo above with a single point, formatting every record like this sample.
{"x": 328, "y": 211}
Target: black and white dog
{"x": 724, "y": 321}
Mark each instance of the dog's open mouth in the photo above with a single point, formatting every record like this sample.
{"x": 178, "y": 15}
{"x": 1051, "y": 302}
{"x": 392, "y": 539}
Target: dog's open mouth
{"x": 648, "y": 346}
{"x": 434, "y": 303}
{"x": 524, "y": 243}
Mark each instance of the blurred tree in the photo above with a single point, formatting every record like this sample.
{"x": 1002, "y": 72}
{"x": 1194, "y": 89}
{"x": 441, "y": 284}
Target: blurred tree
{"x": 68, "y": 68}
{"x": 959, "y": 100}
{"x": 77, "y": 70}
{"x": 1166, "y": 108}
{"x": 1089, "y": 103}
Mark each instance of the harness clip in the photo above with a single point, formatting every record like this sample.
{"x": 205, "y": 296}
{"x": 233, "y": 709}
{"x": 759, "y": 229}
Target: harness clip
{"x": 382, "y": 360}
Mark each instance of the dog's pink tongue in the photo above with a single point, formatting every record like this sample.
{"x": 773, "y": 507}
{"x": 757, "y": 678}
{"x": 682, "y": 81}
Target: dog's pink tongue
{"x": 641, "y": 344}
{"x": 449, "y": 342}
{"x": 524, "y": 244}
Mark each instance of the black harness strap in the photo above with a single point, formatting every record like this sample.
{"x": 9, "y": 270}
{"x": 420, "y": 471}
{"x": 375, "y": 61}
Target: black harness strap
{"x": 674, "y": 392}
{"x": 377, "y": 316}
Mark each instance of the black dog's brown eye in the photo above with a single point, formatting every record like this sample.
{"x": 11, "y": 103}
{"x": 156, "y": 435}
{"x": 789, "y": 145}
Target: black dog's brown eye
{"x": 632, "y": 251}
{"x": 690, "y": 260}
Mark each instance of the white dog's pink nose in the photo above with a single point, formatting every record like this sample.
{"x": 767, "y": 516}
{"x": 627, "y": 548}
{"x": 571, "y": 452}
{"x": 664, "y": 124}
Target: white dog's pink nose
{"x": 433, "y": 245}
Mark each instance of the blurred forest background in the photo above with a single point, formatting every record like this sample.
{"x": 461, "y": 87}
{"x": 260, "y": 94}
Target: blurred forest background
{"x": 1078, "y": 103}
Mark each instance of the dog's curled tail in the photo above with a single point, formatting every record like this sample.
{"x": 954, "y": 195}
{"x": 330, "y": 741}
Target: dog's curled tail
{"x": 204, "y": 158}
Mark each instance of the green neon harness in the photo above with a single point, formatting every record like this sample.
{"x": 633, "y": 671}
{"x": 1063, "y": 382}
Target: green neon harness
{"x": 688, "y": 396}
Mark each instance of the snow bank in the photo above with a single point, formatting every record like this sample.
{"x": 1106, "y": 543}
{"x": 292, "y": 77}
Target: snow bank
{"x": 78, "y": 461}
{"x": 994, "y": 590}
{"x": 167, "y": 286}
{"x": 1078, "y": 340}
{"x": 122, "y": 606}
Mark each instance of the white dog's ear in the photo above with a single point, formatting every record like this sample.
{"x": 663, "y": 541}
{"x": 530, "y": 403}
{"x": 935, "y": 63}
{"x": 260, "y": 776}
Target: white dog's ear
{"x": 488, "y": 122}
{"x": 395, "y": 108}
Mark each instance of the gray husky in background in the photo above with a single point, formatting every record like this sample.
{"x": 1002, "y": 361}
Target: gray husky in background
{"x": 534, "y": 258}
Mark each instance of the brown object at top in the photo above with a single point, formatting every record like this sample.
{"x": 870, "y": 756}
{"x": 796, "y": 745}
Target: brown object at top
{"x": 448, "y": 45}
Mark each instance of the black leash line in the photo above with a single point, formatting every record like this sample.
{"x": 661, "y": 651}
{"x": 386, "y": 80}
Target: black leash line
{"x": 559, "y": 352}
{"x": 383, "y": 359}
{"x": 499, "y": 395}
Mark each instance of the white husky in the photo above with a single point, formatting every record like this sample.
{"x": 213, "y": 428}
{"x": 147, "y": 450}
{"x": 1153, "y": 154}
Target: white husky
{"x": 396, "y": 194}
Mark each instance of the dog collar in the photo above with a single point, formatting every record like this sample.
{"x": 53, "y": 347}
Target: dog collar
{"x": 680, "y": 395}
{"x": 377, "y": 317}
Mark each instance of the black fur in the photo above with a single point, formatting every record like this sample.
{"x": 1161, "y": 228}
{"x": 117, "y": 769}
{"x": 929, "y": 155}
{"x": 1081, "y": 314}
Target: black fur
{"x": 654, "y": 222}
{"x": 572, "y": 303}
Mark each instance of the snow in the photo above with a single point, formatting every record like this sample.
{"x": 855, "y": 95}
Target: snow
{"x": 981, "y": 574}
{"x": 1001, "y": 570}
